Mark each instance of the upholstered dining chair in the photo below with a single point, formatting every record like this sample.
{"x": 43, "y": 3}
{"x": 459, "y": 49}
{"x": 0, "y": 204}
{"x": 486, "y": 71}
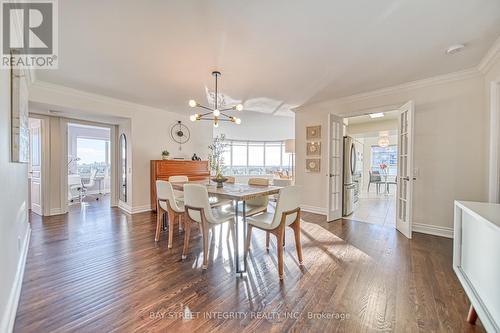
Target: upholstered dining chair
{"x": 199, "y": 212}
{"x": 376, "y": 179}
{"x": 287, "y": 213}
{"x": 169, "y": 204}
{"x": 282, "y": 182}
{"x": 259, "y": 204}
{"x": 178, "y": 179}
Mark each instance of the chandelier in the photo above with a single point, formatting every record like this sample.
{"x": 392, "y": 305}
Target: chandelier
{"x": 216, "y": 115}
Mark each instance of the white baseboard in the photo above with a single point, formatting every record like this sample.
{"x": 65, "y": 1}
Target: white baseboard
{"x": 9, "y": 316}
{"x": 313, "y": 209}
{"x": 133, "y": 210}
{"x": 56, "y": 211}
{"x": 141, "y": 209}
{"x": 433, "y": 230}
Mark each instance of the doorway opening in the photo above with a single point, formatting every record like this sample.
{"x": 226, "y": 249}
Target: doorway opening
{"x": 346, "y": 179}
{"x": 370, "y": 174}
{"x": 89, "y": 164}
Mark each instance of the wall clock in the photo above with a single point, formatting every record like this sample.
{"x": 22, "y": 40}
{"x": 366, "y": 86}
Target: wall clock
{"x": 180, "y": 133}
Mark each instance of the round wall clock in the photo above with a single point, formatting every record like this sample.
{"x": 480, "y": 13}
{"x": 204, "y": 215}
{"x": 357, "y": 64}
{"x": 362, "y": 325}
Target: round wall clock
{"x": 180, "y": 133}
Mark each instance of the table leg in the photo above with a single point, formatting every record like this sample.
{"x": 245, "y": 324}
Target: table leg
{"x": 237, "y": 234}
{"x": 472, "y": 316}
{"x": 240, "y": 231}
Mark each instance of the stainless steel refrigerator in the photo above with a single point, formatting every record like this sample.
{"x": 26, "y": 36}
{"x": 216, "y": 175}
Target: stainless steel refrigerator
{"x": 349, "y": 187}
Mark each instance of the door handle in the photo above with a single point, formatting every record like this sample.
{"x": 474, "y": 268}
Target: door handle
{"x": 408, "y": 178}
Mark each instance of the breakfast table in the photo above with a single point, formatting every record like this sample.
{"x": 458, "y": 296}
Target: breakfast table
{"x": 237, "y": 193}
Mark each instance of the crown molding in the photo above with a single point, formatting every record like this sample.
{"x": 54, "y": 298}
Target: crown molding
{"x": 432, "y": 81}
{"x": 55, "y": 88}
{"x": 492, "y": 56}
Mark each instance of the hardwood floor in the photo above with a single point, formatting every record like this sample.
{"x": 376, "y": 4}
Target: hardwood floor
{"x": 99, "y": 270}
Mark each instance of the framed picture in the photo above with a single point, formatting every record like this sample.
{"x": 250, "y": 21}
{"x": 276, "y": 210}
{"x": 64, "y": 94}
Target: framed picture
{"x": 20, "y": 134}
{"x": 313, "y": 149}
{"x": 313, "y": 165}
{"x": 313, "y": 132}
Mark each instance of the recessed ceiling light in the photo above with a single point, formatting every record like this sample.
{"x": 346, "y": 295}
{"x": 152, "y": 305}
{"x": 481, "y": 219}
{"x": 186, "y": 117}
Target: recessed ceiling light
{"x": 376, "y": 115}
{"x": 455, "y": 48}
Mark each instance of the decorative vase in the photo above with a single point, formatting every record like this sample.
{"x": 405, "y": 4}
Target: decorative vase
{"x": 164, "y": 157}
{"x": 220, "y": 181}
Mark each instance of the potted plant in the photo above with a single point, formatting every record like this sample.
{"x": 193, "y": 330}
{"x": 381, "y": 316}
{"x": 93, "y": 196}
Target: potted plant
{"x": 216, "y": 159}
{"x": 165, "y": 154}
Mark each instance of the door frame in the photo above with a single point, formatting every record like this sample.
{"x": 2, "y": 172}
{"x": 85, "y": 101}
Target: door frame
{"x": 341, "y": 167}
{"x": 494, "y": 146}
{"x": 44, "y": 160}
{"x": 387, "y": 108}
{"x": 113, "y": 159}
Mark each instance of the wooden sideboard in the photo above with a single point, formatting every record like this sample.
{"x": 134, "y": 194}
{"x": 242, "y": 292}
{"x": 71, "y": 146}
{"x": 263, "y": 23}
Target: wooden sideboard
{"x": 163, "y": 169}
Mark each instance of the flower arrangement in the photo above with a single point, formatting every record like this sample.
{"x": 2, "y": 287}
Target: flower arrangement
{"x": 215, "y": 156}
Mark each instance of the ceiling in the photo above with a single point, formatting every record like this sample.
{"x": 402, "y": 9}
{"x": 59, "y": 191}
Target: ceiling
{"x": 390, "y": 115}
{"x": 273, "y": 55}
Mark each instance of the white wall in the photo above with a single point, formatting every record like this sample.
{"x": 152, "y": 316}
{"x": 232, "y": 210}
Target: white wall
{"x": 450, "y": 144}
{"x": 14, "y": 227}
{"x": 148, "y": 131}
{"x": 257, "y": 126}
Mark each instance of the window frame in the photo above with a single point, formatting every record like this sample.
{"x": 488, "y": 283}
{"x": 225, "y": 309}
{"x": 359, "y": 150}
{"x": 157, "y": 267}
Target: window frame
{"x": 229, "y": 167}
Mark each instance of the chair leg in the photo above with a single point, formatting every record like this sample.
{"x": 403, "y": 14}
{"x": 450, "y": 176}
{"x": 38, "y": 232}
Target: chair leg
{"x": 180, "y": 222}
{"x": 159, "y": 218}
{"x": 204, "y": 230}
{"x": 187, "y": 231}
{"x": 249, "y": 238}
{"x": 171, "y": 223}
{"x": 368, "y": 187}
{"x": 280, "y": 253}
{"x": 298, "y": 245}
{"x": 267, "y": 241}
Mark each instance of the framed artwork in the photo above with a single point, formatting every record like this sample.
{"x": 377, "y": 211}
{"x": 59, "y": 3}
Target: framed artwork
{"x": 313, "y": 165}
{"x": 313, "y": 149}
{"x": 20, "y": 135}
{"x": 313, "y": 132}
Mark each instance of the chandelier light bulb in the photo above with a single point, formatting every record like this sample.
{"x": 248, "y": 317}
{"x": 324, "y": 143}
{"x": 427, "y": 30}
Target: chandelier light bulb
{"x": 238, "y": 121}
{"x": 216, "y": 124}
{"x": 239, "y": 107}
{"x": 216, "y": 113}
{"x": 192, "y": 103}
{"x": 193, "y": 117}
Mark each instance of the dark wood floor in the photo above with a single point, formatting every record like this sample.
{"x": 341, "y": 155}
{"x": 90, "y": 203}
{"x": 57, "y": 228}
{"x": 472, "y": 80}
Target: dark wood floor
{"x": 99, "y": 270}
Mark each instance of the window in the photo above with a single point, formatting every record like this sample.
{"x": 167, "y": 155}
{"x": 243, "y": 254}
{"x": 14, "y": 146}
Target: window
{"x": 255, "y": 157}
{"x": 385, "y": 155}
{"x": 92, "y": 154}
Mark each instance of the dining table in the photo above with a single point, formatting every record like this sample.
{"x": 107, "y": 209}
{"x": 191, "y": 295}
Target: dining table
{"x": 237, "y": 193}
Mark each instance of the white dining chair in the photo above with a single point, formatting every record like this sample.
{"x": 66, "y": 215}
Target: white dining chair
{"x": 281, "y": 182}
{"x": 287, "y": 213}
{"x": 198, "y": 211}
{"x": 178, "y": 179}
{"x": 256, "y": 205}
{"x": 167, "y": 203}
{"x": 85, "y": 186}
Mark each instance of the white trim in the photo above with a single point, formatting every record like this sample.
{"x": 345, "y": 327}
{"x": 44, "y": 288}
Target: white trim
{"x": 141, "y": 209}
{"x": 313, "y": 209}
{"x": 133, "y": 210}
{"x": 125, "y": 207}
{"x": 494, "y": 147}
{"x": 433, "y": 230}
{"x": 9, "y": 316}
{"x": 56, "y": 211}
{"x": 431, "y": 81}
{"x": 490, "y": 58}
